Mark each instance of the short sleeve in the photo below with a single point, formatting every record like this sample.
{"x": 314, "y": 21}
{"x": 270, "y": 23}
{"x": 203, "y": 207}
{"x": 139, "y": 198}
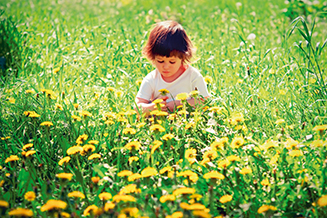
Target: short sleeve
{"x": 145, "y": 90}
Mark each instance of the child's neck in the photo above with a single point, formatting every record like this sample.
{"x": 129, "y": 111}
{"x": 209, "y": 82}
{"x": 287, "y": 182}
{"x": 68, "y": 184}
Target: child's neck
{"x": 180, "y": 72}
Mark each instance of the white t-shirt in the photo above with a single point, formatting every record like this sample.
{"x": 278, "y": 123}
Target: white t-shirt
{"x": 187, "y": 82}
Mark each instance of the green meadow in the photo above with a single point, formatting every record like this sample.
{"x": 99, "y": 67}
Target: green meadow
{"x": 72, "y": 144}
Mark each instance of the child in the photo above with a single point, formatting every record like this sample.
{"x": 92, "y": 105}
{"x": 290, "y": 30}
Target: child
{"x": 170, "y": 50}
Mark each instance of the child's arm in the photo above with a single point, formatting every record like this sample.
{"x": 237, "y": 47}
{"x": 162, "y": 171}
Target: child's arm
{"x": 173, "y": 104}
{"x": 146, "y": 106}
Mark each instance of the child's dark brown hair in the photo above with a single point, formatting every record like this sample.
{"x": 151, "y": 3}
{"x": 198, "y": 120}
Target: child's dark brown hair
{"x": 168, "y": 38}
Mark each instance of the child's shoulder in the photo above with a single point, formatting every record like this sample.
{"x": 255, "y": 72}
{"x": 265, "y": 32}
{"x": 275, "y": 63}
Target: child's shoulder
{"x": 152, "y": 75}
{"x": 194, "y": 71}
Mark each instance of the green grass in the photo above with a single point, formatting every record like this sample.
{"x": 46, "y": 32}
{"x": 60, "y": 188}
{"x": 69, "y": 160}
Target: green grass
{"x": 79, "y": 49}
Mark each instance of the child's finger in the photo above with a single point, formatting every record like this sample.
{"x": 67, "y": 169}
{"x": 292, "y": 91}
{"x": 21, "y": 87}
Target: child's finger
{"x": 164, "y": 97}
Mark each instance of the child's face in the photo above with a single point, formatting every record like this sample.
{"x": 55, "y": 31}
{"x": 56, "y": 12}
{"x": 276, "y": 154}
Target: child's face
{"x": 170, "y": 68}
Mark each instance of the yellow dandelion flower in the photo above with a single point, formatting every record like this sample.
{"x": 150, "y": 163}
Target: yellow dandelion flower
{"x": 81, "y": 139}
{"x": 279, "y": 121}
{"x": 210, "y": 154}
{"x": 224, "y": 163}
{"x": 88, "y": 148}
{"x": 184, "y": 112}
{"x": 93, "y": 142}
{"x": 46, "y": 123}
{"x": 157, "y": 127}
{"x": 148, "y": 172}
{"x": 219, "y": 144}
{"x": 65, "y": 215}
{"x": 104, "y": 196}
{"x": 268, "y": 144}
{"x": 125, "y": 198}
{"x": 30, "y": 196}
{"x": 4, "y": 204}
{"x": 163, "y": 91}
{"x": 187, "y": 173}
{"x": 317, "y": 143}
{"x": 132, "y": 159}
{"x": 94, "y": 156}
{"x": 76, "y": 194}
{"x": 64, "y": 176}
{"x": 208, "y": 79}
{"x": 140, "y": 125}
{"x": 29, "y": 91}
{"x": 295, "y": 153}
{"x": 119, "y": 93}
{"x": 245, "y": 170}
{"x": 265, "y": 208}
{"x": 265, "y": 182}
{"x": 134, "y": 145}
{"x": 11, "y": 100}
{"x": 156, "y": 145}
{"x": 111, "y": 89}
{"x": 124, "y": 173}
{"x": 225, "y": 198}
{"x": 322, "y": 201}
{"x": 29, "y": 145}
{"x": 92, "y": 209}
{"x": 232, "y": 158}
{"x": 56, "y": 70}
{"x": 157, "y": 101}
{"x": 290, "y": 143}
{"x": 237, "y": 142}
{"x": 53, "y": 205}
{"x": 194, "y": 93}
{"x": 11, "y": 158}
{"x": 320, "y": 128}
{"x": 165, "y": 169}
{"x": 190, "y": 155}
{"x": 134, "y": 177}
{"x": 75, "y": 117}
{"x": 85, "y": 114}
{"x": 95, "y": 179}
{"x": 129, "y": 130}
{"x": 166, "y": 198}
{"x": 33, "y": 114}
{"x": 168, "y": 136}
{"x": 213, "y": 175}
{"x": 131, "y": 188}
{"x": 183, "y": 191}
{"x": 64, "y": 160}
{"x": 29, "y": 153}
{"x": 138, "y": 82}
{"x": 236, "y": 119}
{"x": 59, "y": 106}
{"x": 74, "y": 150}
{"x": 182, "y": 96}
{"x": 172, "y": 116}
{"x": 108, "y": 206}
{"x": 196, "y": 196}
{"x": 21, "y": 212}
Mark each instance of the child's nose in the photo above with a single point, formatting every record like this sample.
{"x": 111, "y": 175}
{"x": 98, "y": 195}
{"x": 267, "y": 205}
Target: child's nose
{"x": 165, "y": 65}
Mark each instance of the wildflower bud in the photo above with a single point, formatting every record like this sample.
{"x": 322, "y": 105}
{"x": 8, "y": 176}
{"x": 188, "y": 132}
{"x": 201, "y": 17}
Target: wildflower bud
{"x": 303, "y": 125}
{"x": 37, "y": 95}
{"x": 248, "y": 70}
{"x": 283, "y": 131}
{"x": 274, "y": 171}
{"x": 158, "y": 211}
{"x": 63, "y": 94}
{"x": 251, "y": 101}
